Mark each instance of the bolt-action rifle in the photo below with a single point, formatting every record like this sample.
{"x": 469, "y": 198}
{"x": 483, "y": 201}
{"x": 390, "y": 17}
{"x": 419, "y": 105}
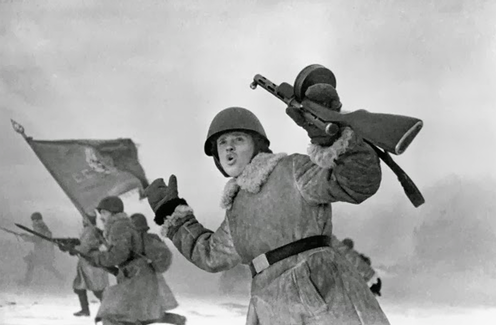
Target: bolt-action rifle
{"x": 12, "y": 232}
{"x": 65, "y": 246}
{"x": 390, "y": 132}
{"x": 69, "y": 242}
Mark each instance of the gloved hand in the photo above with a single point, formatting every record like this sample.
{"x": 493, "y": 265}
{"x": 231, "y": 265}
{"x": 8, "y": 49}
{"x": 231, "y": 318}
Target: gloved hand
{"x": 327, "y": 96}
{"x": 159, "y": 193}
{"x": 376, "y": 287}
{"x": 163, "y": 199}
{"x": 63, "y": 248}
{"x": 72, "y": 251}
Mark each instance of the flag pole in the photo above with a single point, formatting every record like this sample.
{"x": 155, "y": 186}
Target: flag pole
{"x": 20, "y": 129}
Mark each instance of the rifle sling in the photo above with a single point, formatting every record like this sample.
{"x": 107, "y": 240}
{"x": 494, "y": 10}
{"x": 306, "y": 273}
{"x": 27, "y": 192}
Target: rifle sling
{"x": 411, "y": 190}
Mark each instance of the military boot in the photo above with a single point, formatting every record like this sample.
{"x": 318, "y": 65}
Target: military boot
{"x": 172, "y": 318}
{"x": 83, "y": 300}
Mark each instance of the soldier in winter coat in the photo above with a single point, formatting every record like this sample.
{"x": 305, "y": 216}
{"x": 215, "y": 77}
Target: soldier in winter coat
{"x": 279, "y": 218}
{"x": 136, "y": 297}
{"x": 89, "y": 277}
{"x": 141, "y": 225}
{"x": 362, "y": 263}
{"x": 43, "y": 254}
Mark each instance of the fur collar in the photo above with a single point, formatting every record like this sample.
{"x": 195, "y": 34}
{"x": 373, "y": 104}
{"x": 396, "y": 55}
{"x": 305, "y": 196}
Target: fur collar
{"x": 258, "y": 170}
{"x": 326, "y": 157}
{"x": 113, "y": 219}
{"x": 252, "y": 178}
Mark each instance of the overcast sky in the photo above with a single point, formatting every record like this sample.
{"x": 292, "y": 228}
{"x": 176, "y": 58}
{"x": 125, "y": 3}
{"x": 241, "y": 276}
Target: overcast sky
{"x": 158, "y": 71}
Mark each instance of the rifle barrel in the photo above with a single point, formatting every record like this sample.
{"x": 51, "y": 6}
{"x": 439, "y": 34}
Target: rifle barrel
{"x": 10, "y": 231}
{"x": 34, "y": 233}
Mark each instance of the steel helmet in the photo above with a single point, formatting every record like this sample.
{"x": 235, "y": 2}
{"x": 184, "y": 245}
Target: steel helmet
{"x": 139, "y": 222}
{"x": 230, "y": 119}
{"x": 36, "y": 216}
{"x": 348, "y": 242}
{"x": 112, "y": 204}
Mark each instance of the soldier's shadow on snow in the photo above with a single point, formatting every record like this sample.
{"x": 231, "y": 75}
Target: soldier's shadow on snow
{"x": 238, "y": 309}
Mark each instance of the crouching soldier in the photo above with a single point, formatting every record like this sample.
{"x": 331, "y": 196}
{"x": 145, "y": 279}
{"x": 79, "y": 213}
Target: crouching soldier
{"x": 160, "y": 257}
{"x": 361, "y": 263}
{"x": 135, "y": 297}
{"x": 89, "y": 277}
{"x": 278, "y": 218}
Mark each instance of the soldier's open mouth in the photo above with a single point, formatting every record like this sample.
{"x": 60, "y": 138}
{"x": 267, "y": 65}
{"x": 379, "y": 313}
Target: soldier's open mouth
{"x": 231, "y": 159}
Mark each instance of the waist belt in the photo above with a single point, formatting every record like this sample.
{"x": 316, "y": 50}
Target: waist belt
{"x": 263, "y": 261}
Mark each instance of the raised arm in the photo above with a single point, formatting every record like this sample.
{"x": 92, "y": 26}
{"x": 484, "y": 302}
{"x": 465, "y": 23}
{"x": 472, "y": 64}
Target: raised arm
{"x": 348, "y": 171}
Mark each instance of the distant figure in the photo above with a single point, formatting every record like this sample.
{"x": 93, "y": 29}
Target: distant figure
{"x": 167, "y": 297}
{"x": 43, "y": 253}
{"x": 89, "y": 277}
{"x": 136, "y": 298}
{"x": 362, "y": 263}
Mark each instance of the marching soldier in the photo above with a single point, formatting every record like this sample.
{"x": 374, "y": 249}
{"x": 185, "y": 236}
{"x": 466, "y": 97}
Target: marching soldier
{"x": 88, "y": 277}
{"x": 166, "y": 295}
{"x": 135, "y": 297}
{"x": 43, "y": 254}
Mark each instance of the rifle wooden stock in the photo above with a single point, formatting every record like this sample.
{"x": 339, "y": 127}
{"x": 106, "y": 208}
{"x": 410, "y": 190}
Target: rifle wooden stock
{"x": 67, "y": 241}
{"x": 391, "y": 132}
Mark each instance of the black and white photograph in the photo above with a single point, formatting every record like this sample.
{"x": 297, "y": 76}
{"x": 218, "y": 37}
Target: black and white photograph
{"x": 300, "y": 162}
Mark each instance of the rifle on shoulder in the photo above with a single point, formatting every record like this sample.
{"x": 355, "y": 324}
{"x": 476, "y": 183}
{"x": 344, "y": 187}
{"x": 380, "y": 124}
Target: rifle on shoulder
{"x": 65, "y": 246}
{"x": 389, "y": 132}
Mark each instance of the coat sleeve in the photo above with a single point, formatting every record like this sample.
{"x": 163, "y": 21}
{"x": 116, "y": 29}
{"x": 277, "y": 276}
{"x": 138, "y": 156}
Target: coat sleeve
{"x": 210, "y": 251}
{"x": 120, "y": 247}
{"x": 347, "y": 171}
{"x": 89, "y": 241}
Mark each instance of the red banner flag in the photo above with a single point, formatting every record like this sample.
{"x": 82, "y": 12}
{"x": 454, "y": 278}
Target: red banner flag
{"x": 89, "y": 170}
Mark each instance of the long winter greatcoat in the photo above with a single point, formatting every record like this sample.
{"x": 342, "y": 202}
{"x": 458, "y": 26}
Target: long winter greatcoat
{"x": 279, "y": 199}
{"x": 165, "y": 291}
{"x": 44, "y": 251}
{"x": 89, "y": 277}
{"x": 137, "y": 295}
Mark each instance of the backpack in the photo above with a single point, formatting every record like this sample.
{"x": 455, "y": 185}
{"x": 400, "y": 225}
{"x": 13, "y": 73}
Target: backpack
{"x": 156, "y": 250}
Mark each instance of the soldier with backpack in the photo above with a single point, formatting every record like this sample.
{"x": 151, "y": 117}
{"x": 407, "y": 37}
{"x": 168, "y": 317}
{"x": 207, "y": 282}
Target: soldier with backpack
{"x": 136, "y": 298}
{"x": 160, "y": 258}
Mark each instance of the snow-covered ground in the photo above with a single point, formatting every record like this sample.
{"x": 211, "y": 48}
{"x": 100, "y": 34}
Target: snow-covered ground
{"x": 20, "y": 307}
{"x": 47, "y": 309}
